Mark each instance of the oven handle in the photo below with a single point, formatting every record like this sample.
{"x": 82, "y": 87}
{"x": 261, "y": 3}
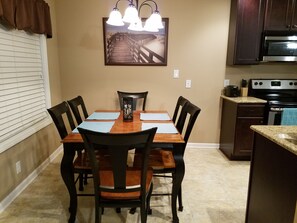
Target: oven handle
{"x": 278, "y": 109}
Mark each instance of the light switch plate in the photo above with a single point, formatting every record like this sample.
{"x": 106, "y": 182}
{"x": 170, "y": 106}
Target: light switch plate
{"x": 175, "y": 73}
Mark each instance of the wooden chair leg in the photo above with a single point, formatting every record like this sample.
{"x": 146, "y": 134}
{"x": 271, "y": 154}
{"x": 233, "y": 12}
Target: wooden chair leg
{"x": 85, "y": 179}
{"x": 98, "y": 212}
{"x": 132, "y": 211}
{"x": 81, "y": 182}
{"x": 143, "y": 212}
{"x": 180, "y": 202}
{"x": 148, "y": 204}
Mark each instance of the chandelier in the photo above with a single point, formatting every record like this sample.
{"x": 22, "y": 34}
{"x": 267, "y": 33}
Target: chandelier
{"x": 131, "y": 16}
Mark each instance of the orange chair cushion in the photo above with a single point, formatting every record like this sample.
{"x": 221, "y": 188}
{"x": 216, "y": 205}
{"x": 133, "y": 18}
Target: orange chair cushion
{"x": 132, "y": 179}
{"x": 161, "y": 159}
{"x": 82, "y": 162}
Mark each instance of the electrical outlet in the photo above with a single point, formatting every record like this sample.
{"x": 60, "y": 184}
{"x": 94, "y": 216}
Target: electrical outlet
{"x": 18, "y": 167}
{"x": 188, "y": 83}
{"x": 226, "y": 82}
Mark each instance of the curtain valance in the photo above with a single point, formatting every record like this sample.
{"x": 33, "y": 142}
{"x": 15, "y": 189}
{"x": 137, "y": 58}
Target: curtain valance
{"x": 29, "y": 15}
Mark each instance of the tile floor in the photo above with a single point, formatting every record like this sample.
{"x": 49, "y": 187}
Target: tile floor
{"x": 214, "y": 191}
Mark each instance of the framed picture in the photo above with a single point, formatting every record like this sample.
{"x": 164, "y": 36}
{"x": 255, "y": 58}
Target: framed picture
{"x": 135, "y": 48}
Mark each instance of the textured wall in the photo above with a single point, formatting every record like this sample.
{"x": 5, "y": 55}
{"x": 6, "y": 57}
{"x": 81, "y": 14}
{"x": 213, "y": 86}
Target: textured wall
{"x": 33, "y": 151}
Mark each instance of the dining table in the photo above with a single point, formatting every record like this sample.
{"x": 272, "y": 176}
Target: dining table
{"x": 112, "y": 121}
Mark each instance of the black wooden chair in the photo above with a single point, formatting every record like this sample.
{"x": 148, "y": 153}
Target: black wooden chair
{"x": 65, "y": 126}
{"x": 78, "y": 109}
{"x": 80, "y": 113}
{"x": 181, "y": 102}
{"x": 137, "y": 96}
{"x": 162, "y": 159}
{"x": 116, "y": 182}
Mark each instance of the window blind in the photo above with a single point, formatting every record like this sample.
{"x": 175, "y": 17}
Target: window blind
{"x": 23, "y": 96}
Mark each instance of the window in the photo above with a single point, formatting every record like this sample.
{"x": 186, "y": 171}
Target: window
{"x": 24, "y": 86}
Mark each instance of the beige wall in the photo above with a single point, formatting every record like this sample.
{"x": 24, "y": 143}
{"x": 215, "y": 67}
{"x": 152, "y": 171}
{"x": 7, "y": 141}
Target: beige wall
{"x": 198, "y": 32}
{"x": 33, "y": 151}
{"x": 194, "y": 49}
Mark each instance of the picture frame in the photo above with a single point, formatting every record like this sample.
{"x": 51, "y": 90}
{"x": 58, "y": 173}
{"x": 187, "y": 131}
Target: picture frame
{"x": 135, "y": 48}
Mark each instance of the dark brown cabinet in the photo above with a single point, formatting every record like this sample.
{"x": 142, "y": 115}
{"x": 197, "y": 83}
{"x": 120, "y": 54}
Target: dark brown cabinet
{"x": 245, "y": 29}
{"x": 281, "y": 15}
{"x": 236, "y": 138}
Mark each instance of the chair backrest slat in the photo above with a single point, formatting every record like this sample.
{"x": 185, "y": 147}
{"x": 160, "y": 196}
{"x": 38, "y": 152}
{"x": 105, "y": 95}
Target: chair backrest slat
{"x": 76, "y": 104}
{"x": 136, "y": 97}
{"x": 181, "y": 102}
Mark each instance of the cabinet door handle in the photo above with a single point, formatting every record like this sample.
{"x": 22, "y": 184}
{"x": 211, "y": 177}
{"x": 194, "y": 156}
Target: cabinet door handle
{"x": 288, "y": 26}
{"x": 295, "y": 26}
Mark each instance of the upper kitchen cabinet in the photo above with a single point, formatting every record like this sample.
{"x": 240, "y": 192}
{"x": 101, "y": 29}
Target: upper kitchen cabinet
{"x": 281, "y": 15}
{"x": 245, "y": 29}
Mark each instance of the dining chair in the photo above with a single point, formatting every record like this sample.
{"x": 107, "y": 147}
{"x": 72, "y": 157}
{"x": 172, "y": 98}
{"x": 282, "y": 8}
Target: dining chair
{"x": 78, "y": 109}
{"x": 137, "y": 96}
{"x": 181, "y": 102}
{"x": 64, "y": 122}
{"x": 162, "y": 159}
{"x": 118, "y": 183}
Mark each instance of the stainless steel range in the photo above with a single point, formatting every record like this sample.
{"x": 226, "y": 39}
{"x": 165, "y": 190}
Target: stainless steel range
{"x": 279, "y": 93}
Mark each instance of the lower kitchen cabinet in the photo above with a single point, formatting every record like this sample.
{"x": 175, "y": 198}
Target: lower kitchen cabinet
{"x": 236, "y": 137}
{"x": 272, "y": 191}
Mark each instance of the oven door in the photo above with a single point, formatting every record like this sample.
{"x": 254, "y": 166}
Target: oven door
{"x": 274, "y": 116}
{"x": 275, "y": 111}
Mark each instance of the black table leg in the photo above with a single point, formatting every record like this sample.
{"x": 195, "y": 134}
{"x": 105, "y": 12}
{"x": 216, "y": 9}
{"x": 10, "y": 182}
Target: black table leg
{"x": 67, "y": 173}
{"x": 177, "y": 179}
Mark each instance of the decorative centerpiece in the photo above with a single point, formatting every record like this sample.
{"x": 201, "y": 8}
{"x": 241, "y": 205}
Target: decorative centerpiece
{"x": 128, "y": 109}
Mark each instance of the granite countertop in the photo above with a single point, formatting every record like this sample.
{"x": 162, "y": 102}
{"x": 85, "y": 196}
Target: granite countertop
{"x": 244, "y": 99}
{"x": 285, "y": 136}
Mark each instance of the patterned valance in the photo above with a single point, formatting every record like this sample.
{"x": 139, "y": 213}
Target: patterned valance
{"x": 29, "y": 15}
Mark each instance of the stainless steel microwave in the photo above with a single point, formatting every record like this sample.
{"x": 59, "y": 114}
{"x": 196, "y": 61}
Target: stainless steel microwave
{"x": 279, "y": 48}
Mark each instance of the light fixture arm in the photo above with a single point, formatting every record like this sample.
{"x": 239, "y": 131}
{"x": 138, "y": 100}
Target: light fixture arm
{"x": 130, "y": 2}
{"x": 146, "y": 3}
{"x": 116, "y": 5}
{"x": 136, "y": 3}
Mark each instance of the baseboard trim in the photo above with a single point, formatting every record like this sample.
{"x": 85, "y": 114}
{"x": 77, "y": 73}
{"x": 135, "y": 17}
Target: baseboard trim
{"x": 203, "y": 145}
{"x": 26, "y": 182}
